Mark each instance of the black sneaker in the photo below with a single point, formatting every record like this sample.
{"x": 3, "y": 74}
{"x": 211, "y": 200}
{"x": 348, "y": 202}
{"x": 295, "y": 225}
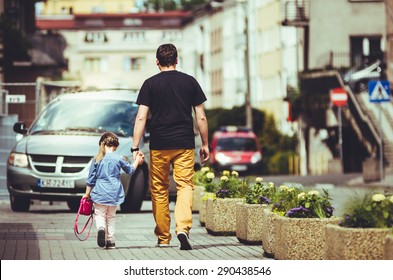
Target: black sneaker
{"x": 110, "y": 245}
{"x": 184, "y": 241}
{"x": 101, "y": 237}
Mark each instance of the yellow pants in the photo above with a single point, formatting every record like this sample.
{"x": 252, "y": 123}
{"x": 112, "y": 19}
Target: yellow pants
{"x": 183, "y": 172}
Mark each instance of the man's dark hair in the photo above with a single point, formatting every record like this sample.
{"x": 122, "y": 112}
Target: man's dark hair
{"x": 166, "y": 55}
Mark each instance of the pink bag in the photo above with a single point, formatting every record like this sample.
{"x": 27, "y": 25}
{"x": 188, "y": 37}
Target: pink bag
{"x": 85, "y": 208}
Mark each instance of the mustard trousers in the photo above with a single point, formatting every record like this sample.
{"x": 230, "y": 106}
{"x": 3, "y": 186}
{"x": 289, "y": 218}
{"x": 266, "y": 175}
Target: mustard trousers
{"x": 182, "y": 161}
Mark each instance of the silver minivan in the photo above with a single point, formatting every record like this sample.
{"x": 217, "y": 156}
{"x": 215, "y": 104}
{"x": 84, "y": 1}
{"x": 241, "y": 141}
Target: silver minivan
{"x": 52, "y": 159}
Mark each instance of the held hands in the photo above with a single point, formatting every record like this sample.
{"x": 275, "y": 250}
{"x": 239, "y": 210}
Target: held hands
{"x": 204, "y": 154}
{"x": 139, "y": 157}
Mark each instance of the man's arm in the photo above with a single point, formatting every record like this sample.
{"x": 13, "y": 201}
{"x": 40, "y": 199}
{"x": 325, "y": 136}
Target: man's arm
{"x": 140, "y": 124}
{"x": 203, "y": 130}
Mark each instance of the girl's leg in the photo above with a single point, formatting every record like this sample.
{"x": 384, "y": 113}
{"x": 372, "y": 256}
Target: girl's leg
{"x": 100, "y": 217}
{"x": 111, "y": 223}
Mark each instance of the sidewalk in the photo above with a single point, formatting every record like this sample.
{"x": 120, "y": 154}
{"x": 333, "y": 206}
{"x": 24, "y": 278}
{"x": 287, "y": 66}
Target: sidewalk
{"x": 43, "y": 234}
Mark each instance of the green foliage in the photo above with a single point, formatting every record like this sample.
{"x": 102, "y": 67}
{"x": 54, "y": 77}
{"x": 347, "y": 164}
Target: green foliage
{"x": 285, "y": 199}
{"x": 16, "y": 45}
{"x": 230, "y": 186}
{"x": 260, "y": 192}
{"x": 205, "y": 177}
{"x": 294, "y": 203}
{"x": 372, "y": 210}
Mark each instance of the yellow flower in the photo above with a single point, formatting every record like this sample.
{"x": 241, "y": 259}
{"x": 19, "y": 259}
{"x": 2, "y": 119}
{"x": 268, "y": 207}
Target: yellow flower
{"x": 224, "y": 178}
{"x": 291, "y": 189}
{"x": 226, "y": 173}
{"x": 316, "y": 193}
{"x": 270, "y": 184}
{"x": 283, "y": 188}
{"x": 301, "y": 196}
{"x": 235, "y": 173}
{"x": 259, "y": 179}
{"x": 378, "y": 197}
{"x": 210, "y": 175}
{"x": 205, "y": 169}
{"x": 391, "y": 199}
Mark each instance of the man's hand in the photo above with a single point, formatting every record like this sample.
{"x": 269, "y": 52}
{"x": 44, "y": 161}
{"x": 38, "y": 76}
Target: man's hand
{"x": 204, "y": 154}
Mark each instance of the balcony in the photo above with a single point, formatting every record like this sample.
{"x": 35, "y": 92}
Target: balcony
{"x": 297, "y": 13}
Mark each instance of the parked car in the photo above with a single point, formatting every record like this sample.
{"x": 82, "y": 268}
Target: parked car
{"x": 235, "y": 148}
{"x": 52, "y": 160}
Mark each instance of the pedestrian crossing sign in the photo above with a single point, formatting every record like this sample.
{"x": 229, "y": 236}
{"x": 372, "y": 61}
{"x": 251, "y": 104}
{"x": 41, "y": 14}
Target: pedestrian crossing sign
{"x": 379, "y": 91}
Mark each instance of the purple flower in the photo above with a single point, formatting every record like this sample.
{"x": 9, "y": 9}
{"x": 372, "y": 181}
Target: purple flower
{"x": 264, "y": 200}
{"x": 298, "y": 212}
{"x": 222, "y": 193}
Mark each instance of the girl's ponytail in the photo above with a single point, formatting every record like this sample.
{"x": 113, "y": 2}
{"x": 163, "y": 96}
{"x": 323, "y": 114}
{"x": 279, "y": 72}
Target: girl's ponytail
{"x": 101, "y": 153}
{"x": 107, "y": 139}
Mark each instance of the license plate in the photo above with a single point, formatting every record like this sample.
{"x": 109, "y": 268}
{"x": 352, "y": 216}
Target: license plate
{"x": 239, "y": 167}
{"x": 56, "y": 183}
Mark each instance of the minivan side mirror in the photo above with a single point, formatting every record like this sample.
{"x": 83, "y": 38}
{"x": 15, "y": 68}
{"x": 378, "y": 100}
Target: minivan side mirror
{"x": 20, "y": 127}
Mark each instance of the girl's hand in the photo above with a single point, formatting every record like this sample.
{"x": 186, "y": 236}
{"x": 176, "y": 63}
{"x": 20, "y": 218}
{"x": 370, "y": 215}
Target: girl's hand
{"x": 140, "y": 158}
{"x": 86, "y": 195}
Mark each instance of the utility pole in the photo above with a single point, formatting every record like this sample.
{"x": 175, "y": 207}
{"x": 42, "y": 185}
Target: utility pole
{"x": 249, "y": 119}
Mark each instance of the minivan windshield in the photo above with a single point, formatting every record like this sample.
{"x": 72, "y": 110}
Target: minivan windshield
{"x": 236, "y": 144}
{"x": 94, "y": 116}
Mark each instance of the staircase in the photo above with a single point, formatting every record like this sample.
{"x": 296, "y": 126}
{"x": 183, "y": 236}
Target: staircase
{"x": 7, "y": 141}
{"x": 367, "y": 122}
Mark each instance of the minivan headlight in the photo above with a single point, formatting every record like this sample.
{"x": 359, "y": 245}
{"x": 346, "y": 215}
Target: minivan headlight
{"x": 257, "y": 157}
{"x": 19, "y": 160}
{"x": 222, "y": 158}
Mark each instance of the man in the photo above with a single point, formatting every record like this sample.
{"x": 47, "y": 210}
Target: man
{"x": 170, "y": 96}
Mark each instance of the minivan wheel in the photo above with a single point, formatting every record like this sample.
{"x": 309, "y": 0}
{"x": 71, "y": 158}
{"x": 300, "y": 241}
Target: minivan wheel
{"x": 73, "y": 205}
{"x": 19, "y": 204}
{"x": 136, "y": 193}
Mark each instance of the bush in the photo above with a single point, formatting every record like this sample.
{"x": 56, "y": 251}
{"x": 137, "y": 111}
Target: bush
{"x": 372, "y": 210}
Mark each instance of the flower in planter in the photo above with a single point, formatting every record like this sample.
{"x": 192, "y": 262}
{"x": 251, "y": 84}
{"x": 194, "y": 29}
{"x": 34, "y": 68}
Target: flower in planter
{"x": 230, "y": 186}
{"x": 312, "y": 204}
{"x": 260, "y": 192}
{"x": 205, "y": 177}
{"x": 373, "y": 210}
{"x": 209, "y": 195}
{"x": 286, "y": 198}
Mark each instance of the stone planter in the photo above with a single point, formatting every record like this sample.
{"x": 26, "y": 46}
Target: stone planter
{"x": 388, "y": 247}
{"x": 249, "y": 222}
{"x": 344, "y": 243}
{"x": 199, "y": 192}
{"x": 267, "y": 234}
{"x": 221, "y": 216}
{"x": 300, "y": 239}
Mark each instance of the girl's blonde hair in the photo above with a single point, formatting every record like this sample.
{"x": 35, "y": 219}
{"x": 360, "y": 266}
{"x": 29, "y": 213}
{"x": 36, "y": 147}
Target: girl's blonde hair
{"x": 108, "y": 139}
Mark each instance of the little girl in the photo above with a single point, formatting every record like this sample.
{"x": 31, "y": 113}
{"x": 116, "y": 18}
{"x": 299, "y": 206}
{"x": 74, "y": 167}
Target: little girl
{"x": 104, "y": 186}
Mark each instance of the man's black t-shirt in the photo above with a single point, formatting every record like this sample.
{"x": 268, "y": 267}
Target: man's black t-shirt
{"x": 171, "y": 95}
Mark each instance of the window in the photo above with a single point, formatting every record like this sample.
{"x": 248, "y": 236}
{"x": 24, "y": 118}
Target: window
{"x": 96, "y": 37}
{"x": 95, "y": 64}
{"x": 134, "y": 36}
{"x": 134, "y": 63}
{"x": 365, "y": 50}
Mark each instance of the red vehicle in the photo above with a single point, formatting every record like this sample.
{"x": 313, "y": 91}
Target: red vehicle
{"x": 236, "y": 148}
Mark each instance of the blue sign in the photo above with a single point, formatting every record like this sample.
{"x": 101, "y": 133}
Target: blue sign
{"x": 379, "y": 91}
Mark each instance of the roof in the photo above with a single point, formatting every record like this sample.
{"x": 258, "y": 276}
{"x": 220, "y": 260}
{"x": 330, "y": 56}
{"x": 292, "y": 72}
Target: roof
{"x": 162, "y": 20}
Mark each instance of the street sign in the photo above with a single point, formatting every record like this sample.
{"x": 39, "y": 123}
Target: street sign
{"x": 379, "y": 91}
{"x": 15, "y": 98}
{"x": 339, "y": 97}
